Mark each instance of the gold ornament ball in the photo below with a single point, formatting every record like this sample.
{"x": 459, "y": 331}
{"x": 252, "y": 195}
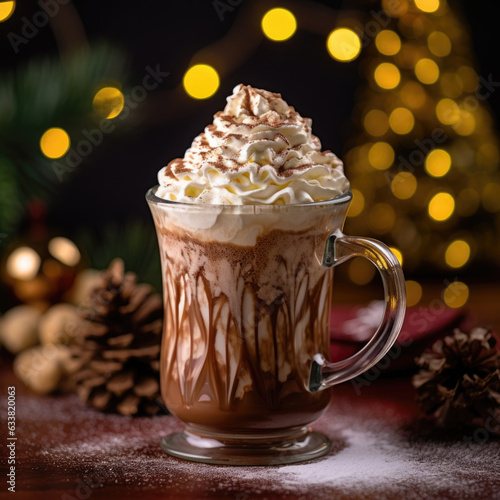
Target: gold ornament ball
{"x": 19, "y": 328}
{"x": 42, "y": 368}
{"x": 58, "y": 325}
{"x": 41, "y": 271}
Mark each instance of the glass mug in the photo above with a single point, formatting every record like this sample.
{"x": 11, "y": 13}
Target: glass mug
{"x": 245, "y": 349}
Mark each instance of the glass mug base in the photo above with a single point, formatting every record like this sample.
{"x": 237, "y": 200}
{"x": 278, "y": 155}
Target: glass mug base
{"x": 300, "y": 446}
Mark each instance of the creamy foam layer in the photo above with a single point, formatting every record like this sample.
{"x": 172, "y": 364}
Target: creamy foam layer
{"x": 258, "y": 150}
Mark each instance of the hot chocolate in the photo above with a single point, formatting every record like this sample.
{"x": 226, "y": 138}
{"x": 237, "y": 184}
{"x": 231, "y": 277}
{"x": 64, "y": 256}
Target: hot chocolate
{"x": 249, "y": 227}
{"x": 243, "y": 322}
{"x": 246, "y": 301}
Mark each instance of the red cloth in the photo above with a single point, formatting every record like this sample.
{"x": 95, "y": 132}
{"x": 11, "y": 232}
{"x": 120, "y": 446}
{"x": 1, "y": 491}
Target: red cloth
{"x": 351, "y": 327}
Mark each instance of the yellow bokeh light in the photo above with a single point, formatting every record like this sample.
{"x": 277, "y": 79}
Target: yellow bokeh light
{"x": 361, "y": 271}
{"x": 466, "y": 124}
{"x": 398, "y": 254}
{"x": 438, "y": 163}
{"x": 413, "y": 293}
{"x": 64, "y": 250}
{"x": 413, "y": 95}
{"x": 387, "y": 75}
{"x": 447, "y": 111}
{"x": 451, "y": 84}
{"x": 427, "y": 71}
{"x": 404, "y": 185}
{"x": 279, "y": 24}
{"x": 468, "y": 78}
{"x": 427, "y": 5}
{"x": 381, "y": 217}
{"x": 491, "y": 197}
{"x": 381, "y": 155}
{"x": 456, "y": 294}
{"x": 108, "y": 102}
{"x": 439, "y": 44}
{"x": 23, "y": 263}
{"x": 201, "y": 81}
{"x": 441, "y": 206}
{"x": 395, "y": 9}
{"x": 6, "y": 10}
{"x": 376, "y": 122}
{"x": 488, "y": 156}
{"x": 343, "y": 44}
{"x": 388, "y": 42}
{"x": 457, "y": 254}
{"x": 468, "y": 201}
{"x": 401, "y": 121}
{"x": 54, "y": 142}
{"x": 357, "y": 204}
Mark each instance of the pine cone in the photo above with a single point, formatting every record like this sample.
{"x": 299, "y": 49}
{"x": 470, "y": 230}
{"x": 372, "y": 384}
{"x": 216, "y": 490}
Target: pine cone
{"x": 117, "y": 347}
{"x": 459, "y": 378}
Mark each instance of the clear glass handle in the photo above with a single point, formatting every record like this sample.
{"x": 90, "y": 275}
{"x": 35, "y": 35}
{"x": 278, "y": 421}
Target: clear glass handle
{"x": 340, "y": 248}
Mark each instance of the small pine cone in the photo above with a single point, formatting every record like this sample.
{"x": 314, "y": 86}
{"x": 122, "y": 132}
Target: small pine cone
{"x": 459, "y": 378}
{"x": 116, "y": 356}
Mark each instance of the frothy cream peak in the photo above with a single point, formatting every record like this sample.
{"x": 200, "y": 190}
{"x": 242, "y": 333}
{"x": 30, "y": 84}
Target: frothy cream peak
{"x": 258, "y": 150}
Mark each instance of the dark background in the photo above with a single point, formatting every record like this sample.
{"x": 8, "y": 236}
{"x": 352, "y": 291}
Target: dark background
{"x": 110, "y": 184}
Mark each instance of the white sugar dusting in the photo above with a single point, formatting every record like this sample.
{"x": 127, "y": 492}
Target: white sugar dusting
{"x": 373, "y": 456}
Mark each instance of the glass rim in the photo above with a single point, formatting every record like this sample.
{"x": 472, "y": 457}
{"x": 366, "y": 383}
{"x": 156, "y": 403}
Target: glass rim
{"x": 151, "y": 197}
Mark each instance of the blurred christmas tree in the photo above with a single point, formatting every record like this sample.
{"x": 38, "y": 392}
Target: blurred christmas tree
{"x": 43, "y": 106}
{"x": 424, "y": 162}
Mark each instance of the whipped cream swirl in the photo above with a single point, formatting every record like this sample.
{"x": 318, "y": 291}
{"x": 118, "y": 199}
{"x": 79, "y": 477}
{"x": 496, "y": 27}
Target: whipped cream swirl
{"x": 258, "y": 150}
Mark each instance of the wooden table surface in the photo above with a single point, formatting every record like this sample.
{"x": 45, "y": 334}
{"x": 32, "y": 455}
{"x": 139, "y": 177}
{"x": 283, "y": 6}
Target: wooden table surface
{"x": 382, "y": 449}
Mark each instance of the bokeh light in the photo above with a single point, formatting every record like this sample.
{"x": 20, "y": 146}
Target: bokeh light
{"x": 490, "y": 197}
{"x": 55, "y": 142}
{"x": 427, "y": 71}
{"x": 438, "y": 163}
{"x": 108, "y": 102}
{"x": 441, "y": 206}
{"x": 23, "y": 263}
{"x": 401, "y": 121}
{"x": 451, "y": 84}
{"x": 456, "y": 294}
{"x": 201, "y": 81}
{"x": 357, "y": 204}
{"x": 466, "y": 124}
{"x": 468, "y": 201}
{"x": 468, "y": 78}
{"x": 413, "y": 95}
{"x": 427, "y": 5}
{"x": 395, "y": 9}
{"x": 381, "y": 155}
{"x": 387, "y": 75}
{"x": 381, "y": 217}
{"x": 404, "y": 185}
{"x": 64, "y": 250}
{"x": 457, "y": 253}
{"x": 361, "y": 271}
{"x": 376, "y": 122}
{"x": 439, "y": 44}
{"x": 447, "y": 111}
{"x": 343, "y": 44}
{"x": 388, "y": 42}
{"x": 6, "y": 10}
{"x": 279, "y": 24}
{"x": 413, "y": 293}
{"x": 398, "y": 254}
